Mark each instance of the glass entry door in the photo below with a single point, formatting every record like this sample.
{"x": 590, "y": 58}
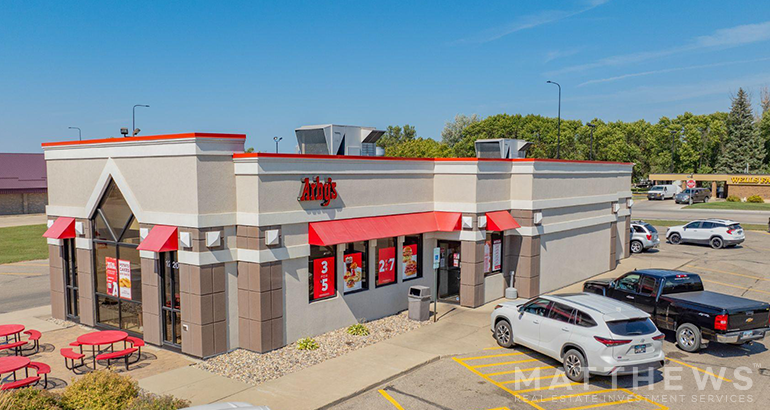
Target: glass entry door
{"x": 169, "y": 303}
{"x": 71, "y": 291}
{"x": 449, "y": 271}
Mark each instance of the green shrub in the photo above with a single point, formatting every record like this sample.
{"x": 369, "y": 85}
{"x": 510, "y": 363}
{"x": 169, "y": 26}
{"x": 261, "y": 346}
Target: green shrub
{"x": 755, "y": 199}
{"x": 307, "y": 343}
{"x": 100, "y": 390}
{"x": 29, "y": 399}
{"x": 733, "y": 198}
{"x": 152, "y": 402}
{"x": 358, "y": 330}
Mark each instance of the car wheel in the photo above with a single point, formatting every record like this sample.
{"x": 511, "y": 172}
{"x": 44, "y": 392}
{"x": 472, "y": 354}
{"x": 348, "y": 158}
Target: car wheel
{"x": 636, "y": 247}
{"x": 504, "y": 333}
{"x": 716, "y": 242}
{"x": 706, "y": 199}
{"x": 675, "y": 239}
{"x": 575, "y": 365}
{"x": 688, "y": 338}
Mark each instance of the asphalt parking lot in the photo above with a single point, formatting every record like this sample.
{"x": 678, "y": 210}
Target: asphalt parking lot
{"x": 714, "y": 378}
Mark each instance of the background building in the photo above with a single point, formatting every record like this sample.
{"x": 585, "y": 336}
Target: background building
{"x": 740, "y": 185}
{"x": 23, "y": 188}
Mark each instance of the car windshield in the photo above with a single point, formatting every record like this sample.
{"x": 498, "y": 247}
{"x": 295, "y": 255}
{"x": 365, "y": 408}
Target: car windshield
{"x": 682, "y": 283}
{"x": 687, "y": 191}
{"x": 650, "y": 228}
{"x": 633, "y": 327}
{"x": 656, "y": 188}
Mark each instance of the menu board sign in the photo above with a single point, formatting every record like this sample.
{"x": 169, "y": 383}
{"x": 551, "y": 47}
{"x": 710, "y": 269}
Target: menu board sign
{"x": 386, "y": 265}
{"x": 497, "y": 252}
{"x": 409, "y": 267}
{"x": 487, "y": 256}
{"x": 323, "y": 277}
{"x": 112, "y": 276}
{"x": 124, "y": 278}
{"x": 353, "y": 271}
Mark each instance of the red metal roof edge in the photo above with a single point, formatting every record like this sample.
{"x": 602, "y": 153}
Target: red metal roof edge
{"x": 146, "y": 138}
{"x": 357, "y": 157}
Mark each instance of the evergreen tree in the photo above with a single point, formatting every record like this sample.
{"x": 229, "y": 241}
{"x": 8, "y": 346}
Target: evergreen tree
{"x": 744, "y": 144}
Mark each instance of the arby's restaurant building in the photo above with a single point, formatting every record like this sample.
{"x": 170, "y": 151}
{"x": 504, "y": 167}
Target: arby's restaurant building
{"x": 192, "y": 244}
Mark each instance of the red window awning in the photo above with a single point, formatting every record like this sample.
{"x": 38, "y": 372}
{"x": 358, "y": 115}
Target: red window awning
{"x": 364, "y": 229}
{"x": 161, "y": 238}
{"x": 62, "y": 228}
{"x": 501, "y": 221}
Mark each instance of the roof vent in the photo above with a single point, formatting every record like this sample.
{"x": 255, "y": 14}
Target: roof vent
{"x": 501, "y": 148}
{"x": 330, "y": 139}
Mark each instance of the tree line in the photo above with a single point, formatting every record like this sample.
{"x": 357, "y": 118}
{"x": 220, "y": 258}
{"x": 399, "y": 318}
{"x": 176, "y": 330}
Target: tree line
{"x": 725, "y": 142}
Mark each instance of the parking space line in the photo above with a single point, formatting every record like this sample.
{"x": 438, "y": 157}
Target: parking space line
{"x": 519, "y": 370}
{"x": 552, "y": 376}
{"x": 494, "y": 355}
{"x": 728, "y": 273}
{"x": 556, "y": 386}
{"x": 734, "y": 286}
{"x": 660, "y": 406}
{"x": 494, "y": 383}
{"x": 391, "y": 399}
{"x": 494, "y": 348}
{"x": 566, "y": 396}
{"x": 700, "y": 370}
{"x": 504, "y": 363}
{"x": 608, "y": 403}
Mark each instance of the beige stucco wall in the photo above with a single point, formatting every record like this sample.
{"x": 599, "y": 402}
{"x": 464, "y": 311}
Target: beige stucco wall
{"x": 570, "y": 256}
{"x": 571, "y": 213}
{"x": 550, "y": 186}
{"x": 71, "y": 182}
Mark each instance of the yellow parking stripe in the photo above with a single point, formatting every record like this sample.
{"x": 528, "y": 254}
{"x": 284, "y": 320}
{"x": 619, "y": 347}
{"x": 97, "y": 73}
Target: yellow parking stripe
{"x": 566, "y": 396}
{"x": 700, "y": 370}
{"x": 494, "y": 355}
{"x": 553, "y": 376}
{"x": 504, "y": 363}
{"x": 494, "y": 348}
{"x": 733, "y": 286}
{"x": 660, "y": 406}
{"x": 519, "y": 370}
{"x": 556, "y": 386}
{"x": 728, "y": 273}
{"x": 494, "y": 383}
{"x": 391, "y": 400}
{"x": 609, "y": 403}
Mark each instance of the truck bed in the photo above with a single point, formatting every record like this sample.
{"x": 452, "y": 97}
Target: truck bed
{"x": 718, "y": 300}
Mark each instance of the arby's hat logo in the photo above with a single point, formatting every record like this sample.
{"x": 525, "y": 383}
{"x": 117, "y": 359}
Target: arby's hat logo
{"x": 317, "y": 190}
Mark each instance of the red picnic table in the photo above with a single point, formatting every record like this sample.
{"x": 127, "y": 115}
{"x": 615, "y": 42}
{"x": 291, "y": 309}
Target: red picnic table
{"x": 11, "y": 330}
{"x": 10, "y": 364}
{"x": 105, "y": 337}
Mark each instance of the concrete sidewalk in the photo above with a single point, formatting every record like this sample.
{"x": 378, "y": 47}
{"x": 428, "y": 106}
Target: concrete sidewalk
{"x": 22, "y": 220}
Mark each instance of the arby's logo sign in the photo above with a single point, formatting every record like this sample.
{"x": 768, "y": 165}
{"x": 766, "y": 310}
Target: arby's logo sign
{"x": 317, "y": 190}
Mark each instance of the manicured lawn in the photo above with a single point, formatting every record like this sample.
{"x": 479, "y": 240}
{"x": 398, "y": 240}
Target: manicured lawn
{"x": 23, "y": 243}
{"x": 659, "y": 222}
{"x": 745, "y": 206}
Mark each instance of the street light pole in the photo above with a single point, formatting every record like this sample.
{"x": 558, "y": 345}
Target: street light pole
{"x": 133, "y": 118}
{"x": 558, "y": 123}
{"x": 591, "y": 155}
{"x": 277, "y": 140}
{"x": 80, "y": 134}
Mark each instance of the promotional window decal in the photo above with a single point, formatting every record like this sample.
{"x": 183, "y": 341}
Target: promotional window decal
{"x": 317, "y": 190}
{"x": 497, "y": 253}
{"x": 353, "y": 271}
{"x": 112, "y": 276}
{"x": 409, "y": 269}
{"x": 456, "y": 260}
{"x": 124, "y": 278}
{"x": 323, "y": 277}
{"x": 386, "y": 265}
{"x": 487, "y": 256}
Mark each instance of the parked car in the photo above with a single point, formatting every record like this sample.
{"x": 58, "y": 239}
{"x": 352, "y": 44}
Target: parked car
{"x": 715, "y": 232}
{"x": 663, "y": 192}
{"x": 588, "y": 333}
{"x": 676, "y": 301}
{"x": 643, "y": 236}
{"x": 692, "y": 195}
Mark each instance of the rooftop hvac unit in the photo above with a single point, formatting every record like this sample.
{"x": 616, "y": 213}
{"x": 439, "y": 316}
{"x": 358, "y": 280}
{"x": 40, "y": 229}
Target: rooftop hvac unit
{"x": 330, "y": 139}
{"x": 501, "y": 148}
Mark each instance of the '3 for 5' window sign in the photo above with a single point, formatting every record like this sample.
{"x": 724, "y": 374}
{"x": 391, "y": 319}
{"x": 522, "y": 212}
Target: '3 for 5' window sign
{"x": 323, "y": 277}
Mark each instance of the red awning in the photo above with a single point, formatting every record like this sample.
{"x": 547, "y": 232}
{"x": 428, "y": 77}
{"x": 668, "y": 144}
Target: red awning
{"x": 364, "y": 229}
{"x": 161, "y": 238}
{"x": 62, "y": 228}
{"x": 501, "y": 221}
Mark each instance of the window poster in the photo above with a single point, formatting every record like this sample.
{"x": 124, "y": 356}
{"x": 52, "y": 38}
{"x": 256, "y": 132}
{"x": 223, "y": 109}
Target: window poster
{"x": 456, "y": 260}
{"x": 409, "y": 267}
{"x": 124, "y": 278}
{"x": 487, "y": 256}
{"x": 497, "y": 253}
{"x": 112, "y": 275}
{"x": 353, "y": 271}
{"x": 386, "y": 265}
{"x": 323, "y": 277}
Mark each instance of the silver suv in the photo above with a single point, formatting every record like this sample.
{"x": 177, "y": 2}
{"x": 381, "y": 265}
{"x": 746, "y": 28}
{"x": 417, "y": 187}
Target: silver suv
{"x": 643, "y": 236}
{"x": 715, "y": 232}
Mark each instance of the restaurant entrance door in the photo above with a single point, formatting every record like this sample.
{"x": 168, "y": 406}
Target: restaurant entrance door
{"x": 71, "y": 289}
{"x": 449, "y": 271}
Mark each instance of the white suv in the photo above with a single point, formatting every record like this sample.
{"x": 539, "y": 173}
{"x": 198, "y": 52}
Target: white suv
{"x": 715, "y": 232}
{"x": 588, "y": 333}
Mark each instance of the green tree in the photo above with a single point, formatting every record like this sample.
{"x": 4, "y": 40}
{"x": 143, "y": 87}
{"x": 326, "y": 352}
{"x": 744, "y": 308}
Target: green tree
{"x": 764, "y": 132}
{"x": 454, "y": 130}
{"x": 395, "y": 135}
{"x": 744, "y": 144}
{"x": 419, "y": 148}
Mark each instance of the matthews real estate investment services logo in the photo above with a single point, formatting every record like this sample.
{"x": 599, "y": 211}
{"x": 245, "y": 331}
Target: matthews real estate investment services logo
{"x": 317, "y": 190}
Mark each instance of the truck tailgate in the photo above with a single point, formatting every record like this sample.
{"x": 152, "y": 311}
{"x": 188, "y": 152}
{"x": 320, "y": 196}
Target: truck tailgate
{"x": 747, "y": 319}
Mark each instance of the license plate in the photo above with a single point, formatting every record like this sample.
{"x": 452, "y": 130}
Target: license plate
{"x": 640, "y": 349}
{"x": 747, "y": 333}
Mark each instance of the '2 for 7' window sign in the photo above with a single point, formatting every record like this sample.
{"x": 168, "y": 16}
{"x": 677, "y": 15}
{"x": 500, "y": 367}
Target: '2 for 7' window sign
{"x": 323, "y": 278}
{"x": 386, "y": 266}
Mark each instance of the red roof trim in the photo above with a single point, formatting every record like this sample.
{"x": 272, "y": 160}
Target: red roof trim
{"x": 62, "y": 228}
{"x": 146, "y": 138}
{"x": 335, "y": 232}
{"x": 162, "y": 238}
{"x": 355, "y": 157}
{"x": 501, "y": 221}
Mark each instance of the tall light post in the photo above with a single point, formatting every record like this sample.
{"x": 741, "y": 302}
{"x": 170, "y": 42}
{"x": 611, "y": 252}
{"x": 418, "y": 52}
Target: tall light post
{"x": 134, "y": 131}
{"x": 277, "y": 140}
{"x": 558, "y": 124}
{"x": 591, "y": 155}
{"x": 80, "y": 134}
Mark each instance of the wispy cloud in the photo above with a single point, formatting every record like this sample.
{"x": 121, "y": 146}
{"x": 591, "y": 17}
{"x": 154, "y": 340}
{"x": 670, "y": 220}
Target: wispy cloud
{"x": 723, "y": 38}
{"x": 554, "y": 54}
{"x": 529, "y": 21}
{"x": 669, "y": 70}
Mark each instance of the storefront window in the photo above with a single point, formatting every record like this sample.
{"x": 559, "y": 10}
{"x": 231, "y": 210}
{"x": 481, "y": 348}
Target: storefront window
{"x": 356, "y": 270}
{"x": 322, "y": 272}
{"x": 386, "y": 261}
{"x": 411, "y": 268}
{"x": 118, "y": 269}
{"x": 493, "y": 253}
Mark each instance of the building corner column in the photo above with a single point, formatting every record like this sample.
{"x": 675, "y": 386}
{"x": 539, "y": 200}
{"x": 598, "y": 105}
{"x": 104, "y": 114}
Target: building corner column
{"x": 472, "y": 273}
{"x": 56, "y": 272}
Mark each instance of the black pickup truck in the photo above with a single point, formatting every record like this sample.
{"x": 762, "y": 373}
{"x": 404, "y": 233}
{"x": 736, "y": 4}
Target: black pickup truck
{"x": 676, "y": 301}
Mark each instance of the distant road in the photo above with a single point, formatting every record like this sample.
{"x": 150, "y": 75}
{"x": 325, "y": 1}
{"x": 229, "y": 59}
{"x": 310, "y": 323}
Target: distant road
{"x": 669, "y": 210}
{"x": 20, "y": 220}
{"x": 24, "y": 285}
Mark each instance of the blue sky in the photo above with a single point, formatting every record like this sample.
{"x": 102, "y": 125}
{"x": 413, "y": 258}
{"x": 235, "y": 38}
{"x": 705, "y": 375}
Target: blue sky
{"x": 265, "y": 68}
